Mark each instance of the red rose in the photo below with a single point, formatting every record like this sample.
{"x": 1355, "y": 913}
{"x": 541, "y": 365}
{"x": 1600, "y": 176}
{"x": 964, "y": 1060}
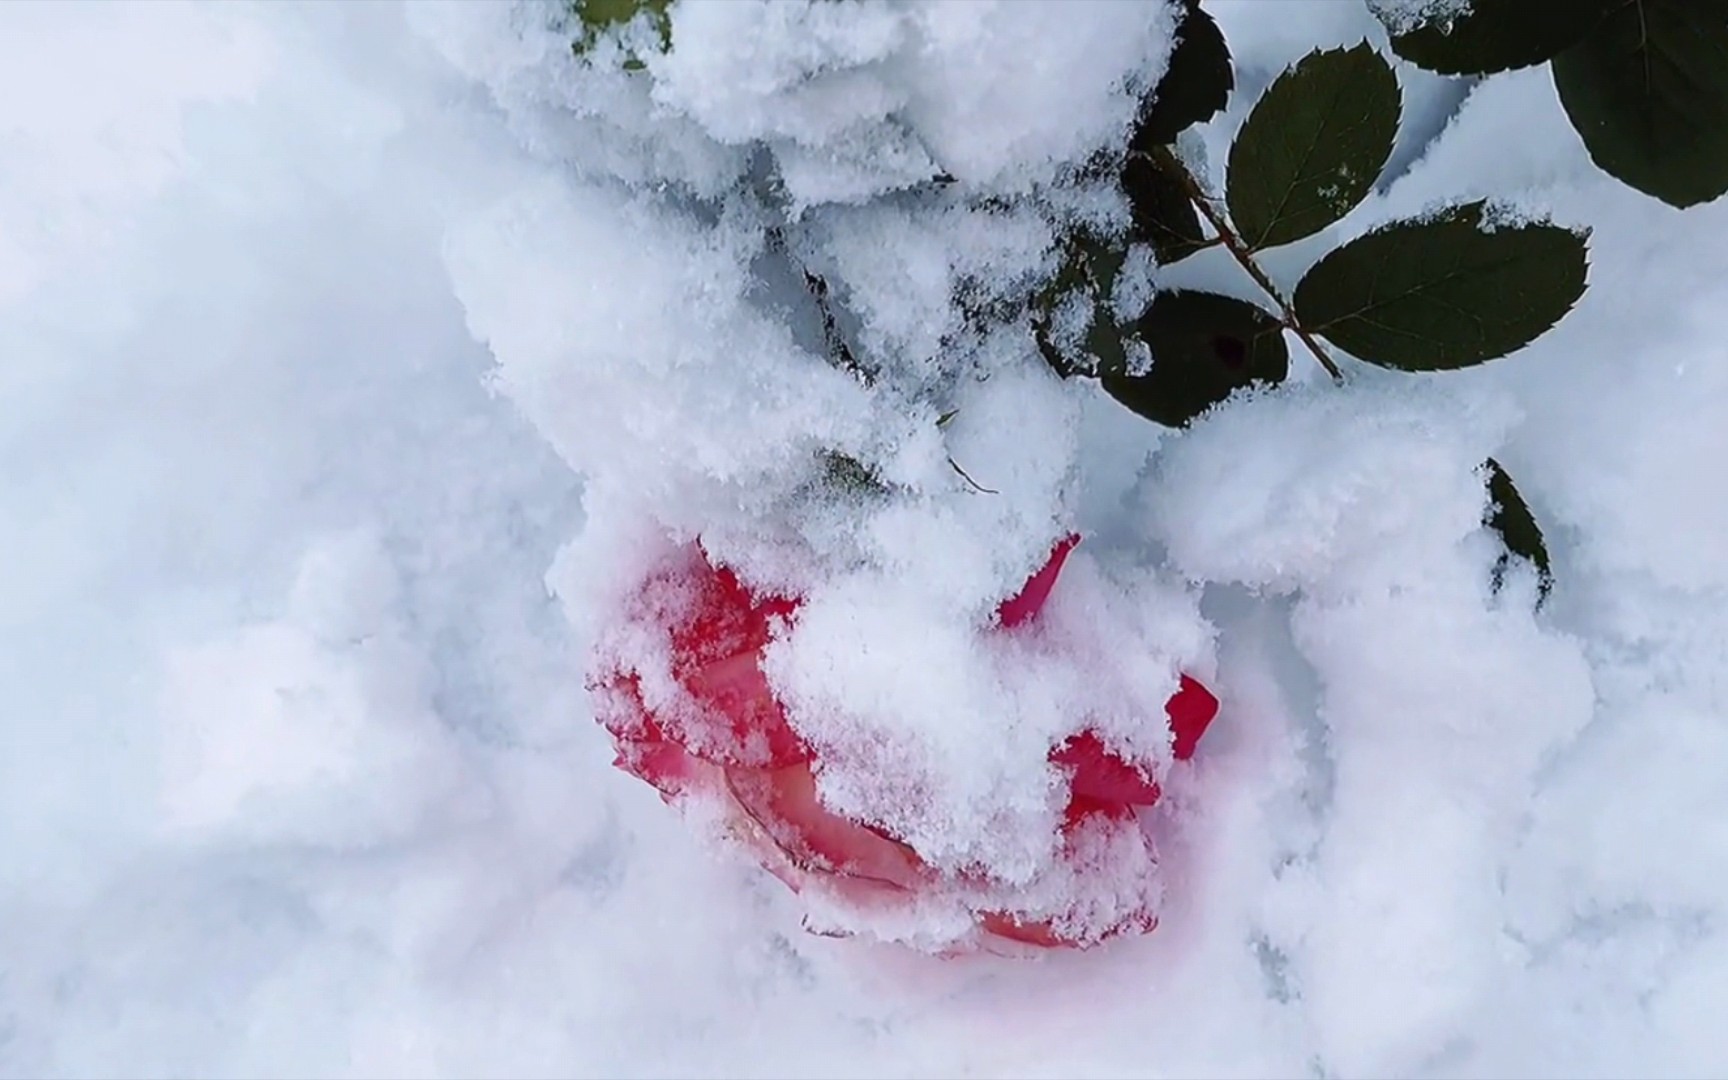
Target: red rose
{"x": 726, "y": 741}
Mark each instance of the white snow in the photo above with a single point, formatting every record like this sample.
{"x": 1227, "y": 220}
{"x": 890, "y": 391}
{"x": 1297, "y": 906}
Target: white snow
{"x": 359, "y": 356}
{"x": 1406, "y": 15}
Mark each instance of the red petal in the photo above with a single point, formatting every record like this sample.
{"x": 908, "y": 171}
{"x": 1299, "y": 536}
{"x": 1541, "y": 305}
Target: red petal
{"x": 726, "y": 618}
{"x": 736, "y": 689}
{"x": 659, "y": 761}
{"x": 785, "y": 804}
{"x": 1082, "y": 807}
{"x": 1191, "y": 711}
{"x": 1030, "y": 600}
{"x": 716, "y": 657}
{"x": 1043, "y": 932}
{"x": 717, "y": 648}
{"x": 1100, "y": 774}
{"x": 1040, "y": 933}
{"x": 645, "y": 751}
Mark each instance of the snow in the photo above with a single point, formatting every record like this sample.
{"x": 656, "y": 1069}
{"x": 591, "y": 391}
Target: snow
{"x": 1406, "y": 15}
{"x": 360, "y": 357}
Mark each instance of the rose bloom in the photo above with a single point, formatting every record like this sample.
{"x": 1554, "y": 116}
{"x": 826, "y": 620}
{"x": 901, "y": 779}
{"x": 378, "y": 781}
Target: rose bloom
{"x": 730, "y": 753}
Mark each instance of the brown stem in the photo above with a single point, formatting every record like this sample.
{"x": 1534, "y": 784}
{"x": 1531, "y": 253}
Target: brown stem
{"x": 976, "y": 486}
{"x": 1166, "y": 159}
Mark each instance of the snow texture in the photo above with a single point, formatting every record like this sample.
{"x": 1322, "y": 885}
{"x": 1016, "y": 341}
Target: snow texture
{"x": 362, "y": 357}
{"x": 1402, "y": 16}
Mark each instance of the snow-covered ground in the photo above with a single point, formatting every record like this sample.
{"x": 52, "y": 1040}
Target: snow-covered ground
{"x": 341, "y": 362}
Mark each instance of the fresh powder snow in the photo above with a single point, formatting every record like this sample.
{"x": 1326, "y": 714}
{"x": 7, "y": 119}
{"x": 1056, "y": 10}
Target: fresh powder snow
{"x": 361, "y": 358}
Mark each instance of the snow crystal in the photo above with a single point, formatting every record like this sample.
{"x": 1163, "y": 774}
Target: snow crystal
{"x": 360, "y": 358}
{"x": 886, "y": 689}
{"x": 626, "y": 336}
{"x": 852, "y": 100}
{"x": 317, "y": 729}
{"x": 628, "y": 328}
{"x": 1377, "y": 484}
{"x": 1403, "y": 16}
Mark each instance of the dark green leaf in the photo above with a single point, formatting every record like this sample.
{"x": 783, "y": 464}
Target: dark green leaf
{"x": 1313, "y": 146}
{"x": 1104, "y": 338}
{"x": 1089, "y": 268}
{"x": 1205, "y": 347}
{"x": 1103, "y": 263}
{"x": 1195, "y": 85}
{"x": 599, "y": 16}
{"x": 846, "y": 474}
{"x": 1060, "y": 362}
{"x": 1510, "y": 516}
{"x": 1648, "y": 93}
{"x": 1163, "y": 214}
{"x": 1445, "y": 292}
{"x": 1495, "y": 35}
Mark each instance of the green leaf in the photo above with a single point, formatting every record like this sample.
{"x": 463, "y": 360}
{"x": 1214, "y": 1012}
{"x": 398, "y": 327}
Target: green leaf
{"x": 599, "y": 16}
{"x": 1313, "y": 146}
{"x": 1648, "y": 93}
{"x": 1494, "y": 35}
{"x": 1104, "y": 338}
{"x": 1196, "y": 84}
{"x": 1205, "y": 347}
{"x": 1510, "y": 516}
{"x": 1443, "y": 292}
{"x": 1089, "y": 267}
{"x": 1163, "y": 214}
{"x": 846, "y": 474}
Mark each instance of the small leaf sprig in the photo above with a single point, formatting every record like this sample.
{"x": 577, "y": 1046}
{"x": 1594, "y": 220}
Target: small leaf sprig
{"x": 1643, "y": 82}
{"x": 1448, "y": 290}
